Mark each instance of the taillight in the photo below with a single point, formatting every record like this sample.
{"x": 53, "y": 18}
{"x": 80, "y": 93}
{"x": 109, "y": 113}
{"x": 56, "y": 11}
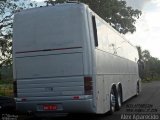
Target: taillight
{"x": 76, "y": 97}
{"x": 15, "y": 88}
{"x": 88, "y": 88}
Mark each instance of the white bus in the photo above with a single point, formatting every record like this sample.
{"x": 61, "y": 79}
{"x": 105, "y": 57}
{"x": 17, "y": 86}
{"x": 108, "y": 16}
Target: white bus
{"x": 68, "y": 60}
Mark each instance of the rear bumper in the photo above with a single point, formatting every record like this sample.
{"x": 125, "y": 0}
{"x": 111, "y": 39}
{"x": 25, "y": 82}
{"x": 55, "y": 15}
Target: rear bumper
{"x": 69, "y": 106}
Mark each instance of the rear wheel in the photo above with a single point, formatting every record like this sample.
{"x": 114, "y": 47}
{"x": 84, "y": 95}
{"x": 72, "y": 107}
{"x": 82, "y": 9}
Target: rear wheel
{"x": 137, "y": 89}
{"x": 112, "y": 102}
{"x": 119, "y": 99}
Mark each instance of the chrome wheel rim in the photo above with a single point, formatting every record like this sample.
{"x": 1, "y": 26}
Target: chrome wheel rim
{"x": 113, "y": 101}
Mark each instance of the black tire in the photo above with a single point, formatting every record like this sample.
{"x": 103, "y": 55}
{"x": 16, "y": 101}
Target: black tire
{"x": 137, "y": 89}
{"x": 119, "y": 99}
{"x": 112, "y": 101}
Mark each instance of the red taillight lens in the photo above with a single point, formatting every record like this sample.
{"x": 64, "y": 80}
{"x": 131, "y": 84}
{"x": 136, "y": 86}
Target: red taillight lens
{"x": 88, "y": 88}
{"x": 76, "y": 97}
{"x": 15, "y": 88}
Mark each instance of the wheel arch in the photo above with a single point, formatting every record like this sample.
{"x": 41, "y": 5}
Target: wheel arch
{"x": 113, "y": 86}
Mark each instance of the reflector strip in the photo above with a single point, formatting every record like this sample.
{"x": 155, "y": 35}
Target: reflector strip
{"x": 76, "y": 97}
{"x": 48, "y": 50}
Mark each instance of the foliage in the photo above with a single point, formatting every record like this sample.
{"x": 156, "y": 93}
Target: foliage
{"x": 152, "y": 65}
{"x": 7, "y": 10}
{"x": 6, "y": 89}
{"x": 115, "y": 12}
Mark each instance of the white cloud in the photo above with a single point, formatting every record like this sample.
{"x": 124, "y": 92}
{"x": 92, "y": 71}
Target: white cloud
{"x": 148, "y": 29}
{"x": 155, "y": 1}
{"x": 138, "y": 4}
{"x": 153, "y": 18}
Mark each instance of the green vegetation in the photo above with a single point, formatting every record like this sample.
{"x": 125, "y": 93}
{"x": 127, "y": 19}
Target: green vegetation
{"x": 7, "y": 10}
{"x": 6, "y": 80}
{"x": 151, "y": 66}
{"x": 6, "y": 89}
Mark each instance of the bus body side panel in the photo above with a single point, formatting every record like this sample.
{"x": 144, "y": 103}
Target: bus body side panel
{"x": 115, "y": 70}
{"x": 114, "y": 61}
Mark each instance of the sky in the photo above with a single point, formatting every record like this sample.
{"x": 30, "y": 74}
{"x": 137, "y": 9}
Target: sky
{"x": 147, "y": 33}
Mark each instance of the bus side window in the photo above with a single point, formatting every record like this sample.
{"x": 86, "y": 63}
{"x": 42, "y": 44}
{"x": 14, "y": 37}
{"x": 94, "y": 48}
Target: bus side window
{"x": 95, "y": 31}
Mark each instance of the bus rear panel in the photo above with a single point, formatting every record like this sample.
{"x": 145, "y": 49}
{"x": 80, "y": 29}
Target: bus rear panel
{"x": 49, "y": 64}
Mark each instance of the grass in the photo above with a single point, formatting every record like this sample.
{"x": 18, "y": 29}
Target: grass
{"x": 157, "y": 78}
{"x": 6, "y": 88}
{"x": 150, "y": 79}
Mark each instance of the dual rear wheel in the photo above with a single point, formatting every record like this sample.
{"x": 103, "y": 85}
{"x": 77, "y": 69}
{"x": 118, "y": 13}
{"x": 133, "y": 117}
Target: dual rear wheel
{"x": 115, "y": 100}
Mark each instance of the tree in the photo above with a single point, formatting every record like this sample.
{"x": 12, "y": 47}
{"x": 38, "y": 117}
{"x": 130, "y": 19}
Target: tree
{"x": 139, "y": 52}
{"x": 152, "y": 67}
{"x": 115, "y": 12}
{"x": 146, "y": 55}
{"x": 7, "y": 10}
{"x": 152, "y": 64}
{"x": 140, "y": 62}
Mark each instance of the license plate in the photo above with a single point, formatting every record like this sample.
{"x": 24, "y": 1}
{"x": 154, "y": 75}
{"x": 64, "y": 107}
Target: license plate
{"x": 49, "y": 107}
